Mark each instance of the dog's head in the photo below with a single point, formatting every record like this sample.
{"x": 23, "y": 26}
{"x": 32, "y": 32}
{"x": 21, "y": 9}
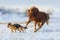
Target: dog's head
{"x": 9, "y": 25}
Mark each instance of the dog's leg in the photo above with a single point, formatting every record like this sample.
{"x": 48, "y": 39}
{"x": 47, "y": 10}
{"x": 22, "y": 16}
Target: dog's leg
{"x": 19, "y": 29}
{"x": 12, "y": 31}
{"x": 35, "y": 26}
{"x": 23, "y": 29}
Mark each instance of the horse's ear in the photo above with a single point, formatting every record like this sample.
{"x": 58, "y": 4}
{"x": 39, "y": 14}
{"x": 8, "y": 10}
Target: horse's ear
{"x": 27, "y": 10}
{"x": 37, "y": 10}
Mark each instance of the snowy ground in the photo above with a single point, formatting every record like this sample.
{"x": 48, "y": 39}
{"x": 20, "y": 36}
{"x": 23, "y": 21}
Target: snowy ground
{"x": 50, "y": 32}
{"x": 47, "y": 32}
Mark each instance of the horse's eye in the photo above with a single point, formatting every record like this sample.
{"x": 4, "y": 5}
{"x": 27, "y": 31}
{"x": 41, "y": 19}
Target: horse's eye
{"x": 28, "y": 10}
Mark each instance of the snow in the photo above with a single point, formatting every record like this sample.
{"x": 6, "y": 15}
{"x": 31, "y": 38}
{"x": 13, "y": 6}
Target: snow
{"x": 47, "y": 32}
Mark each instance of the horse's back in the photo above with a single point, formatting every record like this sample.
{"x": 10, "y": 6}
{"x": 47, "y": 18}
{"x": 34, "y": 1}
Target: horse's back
{"x": 41, "y": 16}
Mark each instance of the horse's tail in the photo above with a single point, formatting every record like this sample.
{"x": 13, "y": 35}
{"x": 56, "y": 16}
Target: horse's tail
{"x": 47, "y": 21}
{"x": 49, "y": 12}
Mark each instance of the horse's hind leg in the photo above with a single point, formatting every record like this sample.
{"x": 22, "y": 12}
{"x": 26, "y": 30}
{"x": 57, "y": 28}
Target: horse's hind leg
{"x": 38, "y": 23}
{"x": 47, "y": 19}
{"x": 47, "y": 22}
{"x": 41, "y": 24}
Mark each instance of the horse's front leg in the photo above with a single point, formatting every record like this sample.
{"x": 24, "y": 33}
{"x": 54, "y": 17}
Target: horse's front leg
{"x": 35, "y": 26}
{"x": 28, "y": 23}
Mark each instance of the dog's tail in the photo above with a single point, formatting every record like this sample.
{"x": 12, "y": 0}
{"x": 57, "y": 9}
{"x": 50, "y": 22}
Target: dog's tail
{"x": 25, "y": 27}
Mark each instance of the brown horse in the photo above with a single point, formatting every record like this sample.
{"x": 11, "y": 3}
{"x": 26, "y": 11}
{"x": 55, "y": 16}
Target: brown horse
{"x": 38, "y": 17}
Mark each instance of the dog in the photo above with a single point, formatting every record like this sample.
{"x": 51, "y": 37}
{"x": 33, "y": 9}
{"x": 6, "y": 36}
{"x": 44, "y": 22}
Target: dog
{"x": 15, "y": 27}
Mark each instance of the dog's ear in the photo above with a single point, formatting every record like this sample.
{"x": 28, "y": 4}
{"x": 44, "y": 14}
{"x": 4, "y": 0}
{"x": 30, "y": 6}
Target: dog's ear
{"x": 13, "y": 25}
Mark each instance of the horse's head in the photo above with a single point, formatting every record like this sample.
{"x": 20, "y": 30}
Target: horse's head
{"x": 33, "y": 10}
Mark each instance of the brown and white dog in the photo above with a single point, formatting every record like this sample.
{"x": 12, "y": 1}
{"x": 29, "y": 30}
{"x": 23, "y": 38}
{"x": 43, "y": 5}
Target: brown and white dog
{"x": 15, "y": 27}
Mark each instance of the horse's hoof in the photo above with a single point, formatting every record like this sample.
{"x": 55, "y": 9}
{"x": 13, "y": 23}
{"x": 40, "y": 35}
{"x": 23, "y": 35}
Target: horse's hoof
{"x": 34, "y": 30}
{"x": 20, "y": 31}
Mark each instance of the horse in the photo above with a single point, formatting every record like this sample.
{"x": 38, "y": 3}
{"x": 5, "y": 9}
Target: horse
{"x": 39, "y": 17}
